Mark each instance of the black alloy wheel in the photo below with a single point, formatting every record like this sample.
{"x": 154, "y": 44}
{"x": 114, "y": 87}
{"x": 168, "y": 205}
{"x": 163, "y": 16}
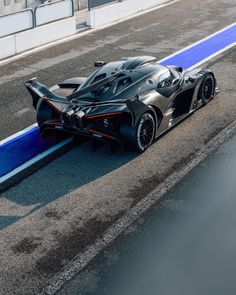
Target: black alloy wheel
{"x": 207, "y": 89}
{"x": 145, "y": 132}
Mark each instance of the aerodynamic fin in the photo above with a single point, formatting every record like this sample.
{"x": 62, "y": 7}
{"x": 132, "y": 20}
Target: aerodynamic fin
{"x": 37, "y": 90}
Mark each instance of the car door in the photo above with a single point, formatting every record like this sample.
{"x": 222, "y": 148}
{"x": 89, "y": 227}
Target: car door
{"x": 167, "y": 86}
{"x": 168, "y": 83}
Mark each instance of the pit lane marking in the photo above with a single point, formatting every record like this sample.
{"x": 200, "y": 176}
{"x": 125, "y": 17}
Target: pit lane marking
{"x": 179, "y": 55}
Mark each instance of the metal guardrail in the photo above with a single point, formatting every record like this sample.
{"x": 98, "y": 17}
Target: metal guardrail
{"x": 96, "y": 3}
{"x": 48, "y": 9}
{"x": 27, "y": 19}
{"x": 16, "y": 22}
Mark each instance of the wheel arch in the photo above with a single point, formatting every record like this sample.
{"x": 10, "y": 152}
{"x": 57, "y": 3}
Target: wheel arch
{"x": 210, "y": 72}
{"x": 158, "y": 116}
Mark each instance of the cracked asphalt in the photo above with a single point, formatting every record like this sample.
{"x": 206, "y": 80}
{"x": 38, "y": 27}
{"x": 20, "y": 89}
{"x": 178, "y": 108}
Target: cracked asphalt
{"x": 53, "y": 215}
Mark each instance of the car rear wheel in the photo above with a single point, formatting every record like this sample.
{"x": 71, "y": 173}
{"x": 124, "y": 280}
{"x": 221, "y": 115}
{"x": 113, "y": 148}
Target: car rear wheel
{"x": 142, "y": 135}
{"x": 207, "y": 89}
{"x": 145, "y": 132}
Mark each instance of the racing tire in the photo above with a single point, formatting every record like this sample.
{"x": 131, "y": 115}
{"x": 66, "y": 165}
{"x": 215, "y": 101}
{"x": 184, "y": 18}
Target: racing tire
{"x": 142, "y": 135}
{"x": 207, "y": 89}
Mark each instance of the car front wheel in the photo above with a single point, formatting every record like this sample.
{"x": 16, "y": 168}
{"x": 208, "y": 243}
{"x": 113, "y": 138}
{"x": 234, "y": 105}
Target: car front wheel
{"x": 207, "y": 89}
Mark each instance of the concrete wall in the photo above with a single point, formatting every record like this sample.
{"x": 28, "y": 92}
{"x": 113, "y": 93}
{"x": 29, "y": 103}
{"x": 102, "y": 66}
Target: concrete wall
{"x": 44, "y": 34}
{"x": 114, "y": 12}
{"x": 19, "y": 42}
{"x": 7, "y": 46}
{"x": 29, "y": 29}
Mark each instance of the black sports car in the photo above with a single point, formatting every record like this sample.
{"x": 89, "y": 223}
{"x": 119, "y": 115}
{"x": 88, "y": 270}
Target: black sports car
{"x": 131, "y": 101}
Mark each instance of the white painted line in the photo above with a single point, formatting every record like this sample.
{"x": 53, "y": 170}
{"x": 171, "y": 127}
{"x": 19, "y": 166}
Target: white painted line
{"x": 196, "y": 43}
{"x": 80, "y": 34}
{"x": 124, "y": 222}
{"x": 31, "y": 127}
{"x": 35, "y": 160}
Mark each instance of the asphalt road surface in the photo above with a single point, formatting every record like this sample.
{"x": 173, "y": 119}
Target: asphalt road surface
{"x": 184, "y": 245}
{"x": 54, "y": 214}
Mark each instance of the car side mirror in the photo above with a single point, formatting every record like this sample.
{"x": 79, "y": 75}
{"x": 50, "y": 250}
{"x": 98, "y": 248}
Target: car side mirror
{"x": 99, "y": 63}
{"x": 180, "y": 69}
{"x": 175, "y": 81}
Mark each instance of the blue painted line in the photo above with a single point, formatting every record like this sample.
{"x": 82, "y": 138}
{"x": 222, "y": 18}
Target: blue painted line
{"x": 19, "y": 137}
{"x": 204, "y": 49}
{"x": 19, "y": 150}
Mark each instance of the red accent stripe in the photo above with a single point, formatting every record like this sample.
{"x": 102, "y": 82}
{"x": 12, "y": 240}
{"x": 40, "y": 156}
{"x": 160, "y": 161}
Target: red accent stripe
{"x": 102, "y": 115}
{"x": 100, "y": 133}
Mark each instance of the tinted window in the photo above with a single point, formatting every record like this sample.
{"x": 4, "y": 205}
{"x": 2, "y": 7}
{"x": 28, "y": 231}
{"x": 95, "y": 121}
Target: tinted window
{"x": 165, "y": 80}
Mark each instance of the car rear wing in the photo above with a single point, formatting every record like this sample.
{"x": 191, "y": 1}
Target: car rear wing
{"x": 39, "y": 91}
